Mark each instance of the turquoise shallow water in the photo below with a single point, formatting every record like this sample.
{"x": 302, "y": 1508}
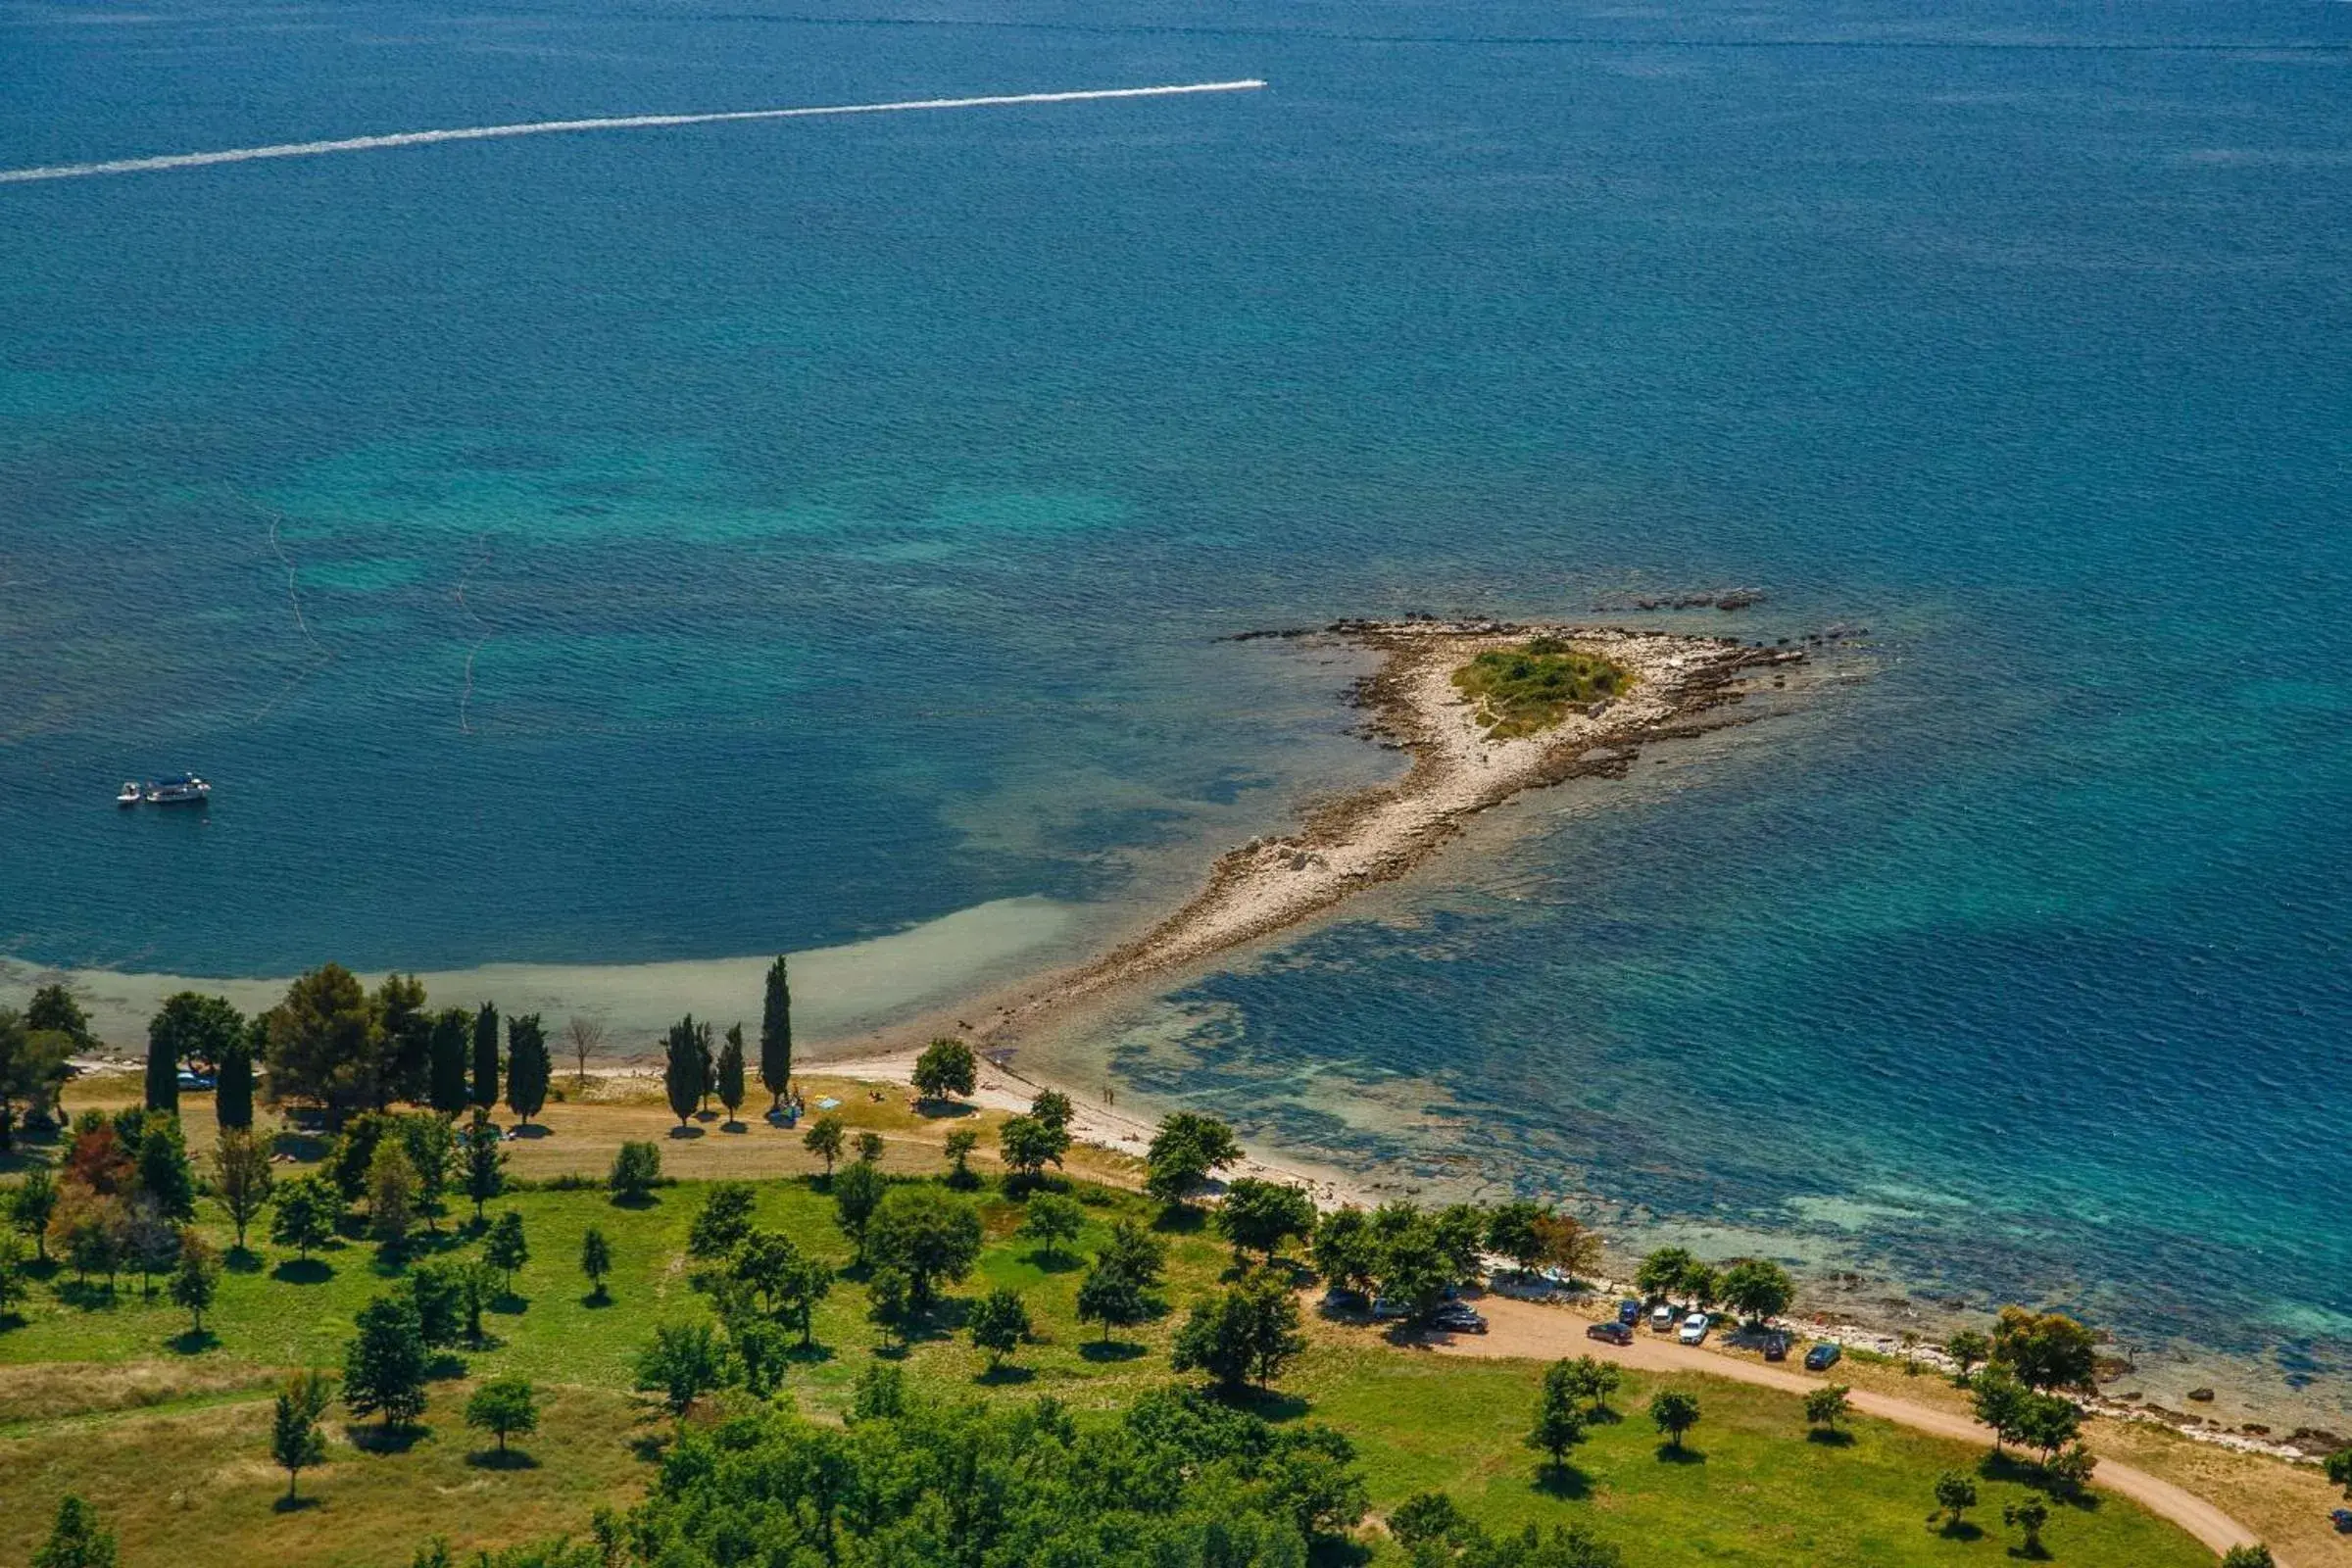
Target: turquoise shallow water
{"x": 681, "y": 544}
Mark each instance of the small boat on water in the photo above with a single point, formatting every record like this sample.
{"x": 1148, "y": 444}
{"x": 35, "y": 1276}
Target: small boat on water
{"x": 132, "y": 793}
{"x": 180, "y": 789}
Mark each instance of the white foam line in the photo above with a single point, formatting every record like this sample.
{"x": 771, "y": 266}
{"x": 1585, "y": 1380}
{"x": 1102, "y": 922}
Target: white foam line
{"x": 548, "y": 128}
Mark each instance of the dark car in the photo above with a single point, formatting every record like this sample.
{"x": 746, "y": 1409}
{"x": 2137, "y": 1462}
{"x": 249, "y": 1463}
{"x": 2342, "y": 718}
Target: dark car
{"x": 2342, "y": 1518}
{"x": 1628, "y": 1311}
{"x": 1456, "y": 1318}
{"x": 1821, "y": 1357}
{"x": 1614, "y": 1333}
{"x": 1776, "y": 1345}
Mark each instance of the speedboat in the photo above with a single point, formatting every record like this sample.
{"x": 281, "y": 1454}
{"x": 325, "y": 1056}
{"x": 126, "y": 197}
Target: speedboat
{"x": 130, "y": 792}
{"x": 180, "y": 789}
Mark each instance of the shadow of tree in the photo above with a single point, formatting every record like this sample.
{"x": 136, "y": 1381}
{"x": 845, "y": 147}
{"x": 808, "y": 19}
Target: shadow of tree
{"x": 635, "y": 1200}
{"x": 88, "y": 1296}
{"x": 1963, "y": 1531}
{"x": 531, "y": 1130}
{"x": 242, "y": 1260}
{"x": 1563, "y": 1481}
{"x": 1829, "y": 1436}
{"x": 377, "y": 1439}
{"x": 1006, "y": 1375}
{"x": 1107, "y": 1351}
{"x": 501, "y": 1459}
{"x": 944, "y": 1109}
{"x": 813, "y": 1355}
{"x": 597, "y": 1300}
{"x": 286, "y": 1504}
{"x": 193, "y": 1342}
{"x": 444, "y": 1366}
{"x": 689, "y": 1132}
{"x": 1668, "y": 1453}
{"x": 509, "y": 1304}
{"x": 1180, "y": 1219}
{"x": 1045, "y": 1262}
{"x": 303, "y": 1271}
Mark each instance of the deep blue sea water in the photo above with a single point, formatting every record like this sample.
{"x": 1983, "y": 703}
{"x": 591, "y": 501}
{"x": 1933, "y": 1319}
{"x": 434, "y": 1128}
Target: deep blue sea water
{"x": 745, "y": 537}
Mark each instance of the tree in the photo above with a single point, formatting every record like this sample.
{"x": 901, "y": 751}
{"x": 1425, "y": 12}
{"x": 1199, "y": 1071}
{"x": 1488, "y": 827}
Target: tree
{"x": 1999, "y": 1402}
{"x": 1758, "y": 1288}
{"x": 506, "y": 1250}
{"x": 2044, "y": 1349}
{"x": 1052, "y": 1218}
{"x": 636, "y": 1170}
{"x": 998, "y": 1324}
{"x": 2256, "y": 1555}
{"x": 681, "y": 1364}
{"x": 730, "y": 1072}
{"x": 33, "y": 1070}
{"x": 724, "y": 1222}
{"x": 197, "y": 1278}
{"x": 682, "y": 1067}
{"x": 1242, "y": 1334}
{"x": 166, "y": 1179}
{"x": 946, "y": 1068}
{"x": 1459, "y": 1231}
{"x": 1411, "y": 1267}
{"x": 586, "y": 1037}
{"x": 2047, "y": 1422}
{"x": 824, "y": 1138}
{"x": 2027, "y": 1515}
{"x": 857, "y": 1194}
{"x": 11, "y": 1273}
{"x": 91, "y": 1231}
{"x": 1111, "y": 1297}
{"x": 1027, "y": 1145}
{"x": 54, "y": 1009}
{"x": 152, "y": 1243}
{"x": 484, "y": 1091}
{"x": 326, "y": 1045}
{"x": 76, "y": 1540}
{"x": 295, "y": 1440}
{"x": 931, "y": 1236}
{"x": 391, "y": 1194}
{"x": 407, "y": 1039}
{"x": 1345, "y": 1251}
{"x": 1512, "y": 1231}
{"x": 440, "y": 1293}
{"x": 232, "y": 1083}
{"x": 960, "y": 1144}
{"x": 1674, "y": 1413}
{"x": 384, "y": 1365}
{"x": 1968, "y": 1350}
{"x": 482, "y": 1151}
{"x": 1955, "y": 1493}
{"x": 1183, "y": 1150}
{"x": 1826, "y": 1405}
{"x": 775, "y": 1033}
{"x": 789, "y": 1284}
{"x": 30, "y": 1206}
{"x": 1136, "y": 1252}
{"x": 1559, "y": 1419}
{"x": 1593, "y": 1380}
{"x": 1704, "y": 1286}
{"x": 528, "y": 1067}
{"x": 1053, "y": 1107}
{"x": 1261, "y": 1215}
{"x": 448, "y": 1053}
{"x": 308, "y": 1213}
{"x": 242, "y": 1177}
{"x": 431, "y": 1149}
{"x": 890, "y": 1300}
{"x": 1662, "y": 1272}
{"x": 869, "y": 1148}
{"x": 1569, "y": 1247}
{"x": 596, "y": 1262}
{"x": 2338, "y": 1468}
{"x": 504, "y": 1407}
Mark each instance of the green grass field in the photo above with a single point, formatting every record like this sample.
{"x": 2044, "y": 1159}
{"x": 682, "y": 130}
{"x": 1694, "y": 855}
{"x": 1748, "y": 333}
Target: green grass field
{"x": 167, "y": 1437}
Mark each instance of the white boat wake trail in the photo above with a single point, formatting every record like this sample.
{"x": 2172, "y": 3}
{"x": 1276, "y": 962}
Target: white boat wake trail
{"x": 549, "y": 128}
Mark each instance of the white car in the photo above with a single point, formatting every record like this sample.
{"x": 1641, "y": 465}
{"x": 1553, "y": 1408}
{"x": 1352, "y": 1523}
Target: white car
{"x": 1694, "y": 1328}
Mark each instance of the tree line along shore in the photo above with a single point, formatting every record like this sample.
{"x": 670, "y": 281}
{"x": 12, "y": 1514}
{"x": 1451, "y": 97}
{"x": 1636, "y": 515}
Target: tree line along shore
{"x": 388, "y": 1148}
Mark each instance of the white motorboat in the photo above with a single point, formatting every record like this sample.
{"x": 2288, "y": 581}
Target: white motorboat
{"x": 180, "y": 789}
{"x": 130, "y": 794}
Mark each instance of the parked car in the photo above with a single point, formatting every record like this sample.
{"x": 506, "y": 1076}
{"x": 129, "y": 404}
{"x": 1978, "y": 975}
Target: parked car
{"x": 1614, "y": 1333}
{"x": 1456, "y": 1318}
{"x": 1338, "y": 1298}
{"x": 1661, "y": 1319}
{"x": 1628, "y": 1311}
{"x": 1776, "y": 1345}
{"x": 1821, "y": 1357}
{"x": 1385, "y": 1310}
{"x": 193, "y": 1080}
{"x": 2342, "y": 1519}
{"x": 1694, "y": 1328}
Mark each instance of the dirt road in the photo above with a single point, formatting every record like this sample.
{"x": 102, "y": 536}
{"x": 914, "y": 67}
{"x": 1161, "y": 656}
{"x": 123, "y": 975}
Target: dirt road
{"x": 1548, "y": 1333}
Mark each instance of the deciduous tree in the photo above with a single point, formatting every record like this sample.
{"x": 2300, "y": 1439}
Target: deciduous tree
{"x": 1052, "y": 1218}
{"x": 1245, "y": 1333}
{"x": 307, "y": 1212}
{"x": 1825, "y": 1405}
{"x": 295, "y": 1440}
{"x": 1183, "y": 1152}
{"x": 1955, "y": 1495}
{"x": 1261, "y": 1215}
{"x": 1757, "y": 1289}
{"x": 1661, "y": 1273}
{"x": 505, "y": 1407}
{"x": 166, "y": 1179}
{"x": 30, "y": 1206}
{"x": 596, "y": 1262}
{"x": 682, "y": 1363}
{"x": 998, "y": 1323}
{"x": 931, "y": 1236}
{"x": 856, "y": 1193}
{"x": 636, "y": 1171}
{"x": 242, "y": 1177}
{"x": 586, "y": 1037}
{"x": 2027, "y": 1515}
{"x": 1968, "y": 1350}
{"x": 1674, "y": 1413}
{"x": 1559, "y": 1423}
{"x": 507, "y": 1249}
{"x": 946, "y": 1068}
{"x": 1111, "y": 1297}
{"x": 483, "y": 1154}
{"x": 824, "y": 1138}
{"x": 722, "y": 1222}
{"x": 1027, "y": 1146}
{"x": 960, "y": 1144}
{"x": 384, "y": 1365}
{"x": 196, "y": 1280}
{"x": 326, "y": 1045}
{"x": 2044, "y": 1349}
{"x": 391, "y": 1194}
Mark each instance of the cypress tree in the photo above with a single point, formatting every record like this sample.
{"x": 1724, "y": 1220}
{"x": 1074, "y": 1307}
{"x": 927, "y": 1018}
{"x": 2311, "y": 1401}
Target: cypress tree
{"x": 232, "y": 1095}
{"x": 485, "y": 1057}
{"x": 682, "y": 1072}
{"x": 775, "y": 1034}
{"x": 163, "y": 1067}
{"x": 528, "y": 1067}
{"x": 448, "y": 1094}
{"x": 730, "y": 1072}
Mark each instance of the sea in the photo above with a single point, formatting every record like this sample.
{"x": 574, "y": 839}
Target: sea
{"x": 625, "y": 548}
